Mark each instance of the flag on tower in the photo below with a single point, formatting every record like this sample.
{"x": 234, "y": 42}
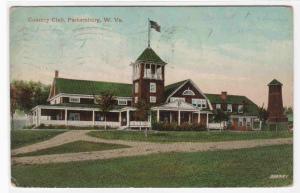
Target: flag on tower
{"x": 154, "y": 25}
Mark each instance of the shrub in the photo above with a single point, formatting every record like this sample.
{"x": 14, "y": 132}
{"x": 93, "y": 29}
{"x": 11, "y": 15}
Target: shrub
{"x": 161, "y": 126}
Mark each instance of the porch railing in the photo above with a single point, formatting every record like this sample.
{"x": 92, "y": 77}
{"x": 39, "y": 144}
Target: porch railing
{"x": 216, "y": 126}
{"x": 79, "y": 123}
{"x": 139, "y": 124}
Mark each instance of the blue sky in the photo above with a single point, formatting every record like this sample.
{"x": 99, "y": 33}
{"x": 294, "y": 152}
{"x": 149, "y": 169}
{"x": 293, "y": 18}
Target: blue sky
{"x": 233, "y": 49}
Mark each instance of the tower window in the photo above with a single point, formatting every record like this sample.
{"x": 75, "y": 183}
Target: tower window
{"x": 152, "y": 87}
{"x": 136, "y": 87}
{"x": 152, "y": 99}
{"x": 135, "y": 99}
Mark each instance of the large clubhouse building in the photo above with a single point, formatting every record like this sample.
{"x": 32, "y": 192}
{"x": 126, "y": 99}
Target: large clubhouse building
{"x": 72, "y": 102}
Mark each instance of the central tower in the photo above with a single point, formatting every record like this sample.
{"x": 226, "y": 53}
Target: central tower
{"x": 148, "y": 78}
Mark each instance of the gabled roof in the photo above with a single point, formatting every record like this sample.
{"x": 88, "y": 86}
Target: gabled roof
{"x": 173, "y": 88}
{"x": 88, "y": 87}
{"x": 275, "y": 82}
{"x": 252, "y": 108}
{"x": 148, "y": 55}
{"x": 169, "y": 89}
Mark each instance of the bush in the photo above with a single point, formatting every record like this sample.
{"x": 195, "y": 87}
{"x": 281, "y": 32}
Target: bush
{"x": 161, "y": 126}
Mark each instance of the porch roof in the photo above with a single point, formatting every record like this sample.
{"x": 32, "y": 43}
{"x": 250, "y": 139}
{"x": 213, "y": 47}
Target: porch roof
{"x": 176, "y": 106}
{"x": 74, "y": 106}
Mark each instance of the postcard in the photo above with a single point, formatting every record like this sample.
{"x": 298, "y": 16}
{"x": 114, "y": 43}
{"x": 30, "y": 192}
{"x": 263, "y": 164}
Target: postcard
{"x": 151, "y": 96}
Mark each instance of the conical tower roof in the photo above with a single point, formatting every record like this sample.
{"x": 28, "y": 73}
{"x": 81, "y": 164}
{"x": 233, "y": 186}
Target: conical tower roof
{"x": 274, "y": 82}
{"x": 148, "y": 55}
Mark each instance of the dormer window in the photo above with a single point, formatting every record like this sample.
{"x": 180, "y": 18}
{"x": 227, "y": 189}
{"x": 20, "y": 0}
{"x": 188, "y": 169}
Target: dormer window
{"x": 229, "y": 107}
{"x": 188, "y": 92}
{"x": 74, "y": 100}
{"x": 122, "y": 102}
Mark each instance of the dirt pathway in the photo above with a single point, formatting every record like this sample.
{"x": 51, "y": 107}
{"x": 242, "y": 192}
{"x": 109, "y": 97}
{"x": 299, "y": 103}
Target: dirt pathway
{"x": 136, "y": 149}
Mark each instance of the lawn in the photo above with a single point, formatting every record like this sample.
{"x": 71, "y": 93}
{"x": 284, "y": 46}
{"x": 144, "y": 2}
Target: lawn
{"x": 21, "y": 138}
{"x": 231, "y": 168}
{"x": 76, "y": 146}
{"x": 189, "y": 136}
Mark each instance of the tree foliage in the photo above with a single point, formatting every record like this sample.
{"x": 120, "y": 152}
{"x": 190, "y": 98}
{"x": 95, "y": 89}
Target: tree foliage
{"x": 143, "y": 110}
{"x": 27, "y": 94}
{"x": 263, "y": 114}
{"x": 220, "y": 116}
{"x": 105, "y": 102}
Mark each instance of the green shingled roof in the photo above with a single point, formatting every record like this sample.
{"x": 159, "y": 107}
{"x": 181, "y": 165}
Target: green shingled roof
{"x": 251, "y": 107}
{"x": 169, "y": 89}
{"x": 87, "y": 87}
{"x": 149, "y": 55}
{"x": 274, "y": 82}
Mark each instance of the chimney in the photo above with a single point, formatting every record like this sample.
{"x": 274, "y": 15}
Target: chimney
{"x": 223, "y": 95}
{"x": 56, "y": 74}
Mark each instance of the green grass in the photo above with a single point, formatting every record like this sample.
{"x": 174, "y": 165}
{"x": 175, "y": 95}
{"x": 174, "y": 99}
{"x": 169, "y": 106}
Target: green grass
{"x": 189, "y": 136}
{"x": 231, "y": 168}
{"x": 73, "y": 147}
{"x": 21, "y": 138}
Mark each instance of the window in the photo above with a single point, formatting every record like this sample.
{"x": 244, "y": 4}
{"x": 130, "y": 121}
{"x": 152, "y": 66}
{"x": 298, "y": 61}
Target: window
{"x": 136, "y": 99}
{"x": 240, "y": 109}
{"x": 74, "y": 100}
{"x": 248, "y": 122}
{"x": 152, "y": 87}
{"x": 152, "y": 99}
{"x": 74, "y": 116}
{"x": 229, "y": 107}
{"x": 240, "y": 122}
{"x": 122, "y": 102}
{"x": 218, "y": 106}
{"x": 200, "y": 103}
{"x": 172, "y": 99}
{"x": 188, "y": 92}
{"x": 136, "y": 87}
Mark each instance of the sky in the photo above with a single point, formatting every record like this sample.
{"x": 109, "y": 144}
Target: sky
{"x": 234, "y": 49}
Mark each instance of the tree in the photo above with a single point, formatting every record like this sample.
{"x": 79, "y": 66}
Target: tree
{"x": 105, "y": 102}
{"x": 262, "y": 114}
{"x": 220, "y": 116}
{"x": 288, "y": 110}
{"x": 13, "y": 104}
{"x": 28, "y": 94}
{"x": 143, "y": 112}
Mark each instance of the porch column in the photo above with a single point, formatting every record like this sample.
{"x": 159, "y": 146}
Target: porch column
{"x": 157, "y": 115}
{"x": 199, "y": 119}
{"x": 127, "y": 116}
{"x": 38, "y": 116}
{"x": 170, "y": 116}
{"x": 206, "y": 119}
{"x": 66, "y": 117}
{"x": 93, "y": 118}
{"x": 150, "y": 120}
{"x": 190, "y": 118}
{"x": 120, "y": 118}
{"x": 179, "y": 117}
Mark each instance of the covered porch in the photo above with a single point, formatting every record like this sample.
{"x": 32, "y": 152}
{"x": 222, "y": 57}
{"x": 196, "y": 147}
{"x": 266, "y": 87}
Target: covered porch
{"x": 180, "y": 113}
{"x": 84, "y": 116}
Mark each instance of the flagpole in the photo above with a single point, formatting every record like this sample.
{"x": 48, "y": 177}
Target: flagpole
{"x": 148, "y": 32}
